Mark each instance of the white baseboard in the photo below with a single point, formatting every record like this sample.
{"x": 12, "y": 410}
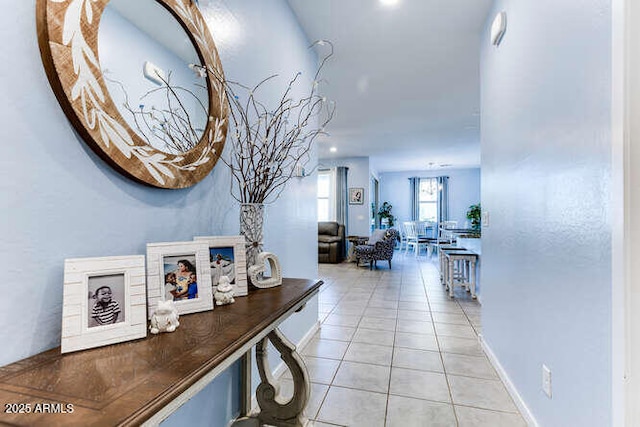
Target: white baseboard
{"x": 281, "y": 368}
{"x": 511, "y": 389}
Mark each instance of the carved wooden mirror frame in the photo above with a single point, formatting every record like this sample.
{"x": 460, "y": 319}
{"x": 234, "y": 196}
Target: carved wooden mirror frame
{"x": 68, "y": 37}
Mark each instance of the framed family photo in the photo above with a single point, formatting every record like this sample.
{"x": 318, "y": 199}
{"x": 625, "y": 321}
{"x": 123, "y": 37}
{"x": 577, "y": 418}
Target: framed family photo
{"x": 179, "y": 272}
{"x": 356, "y": 196}
{"x": 104, "y": 301}
{"x": 228, "y": 257}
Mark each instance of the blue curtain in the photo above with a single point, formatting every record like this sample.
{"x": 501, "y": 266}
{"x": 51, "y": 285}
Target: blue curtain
{"x": 443, "y": 198}
{"x": 415, "y": 198}
{"x": 342, "y": 205}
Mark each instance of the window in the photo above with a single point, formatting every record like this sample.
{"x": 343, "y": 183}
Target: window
{"x": 428, "y": 199}
{"x": 326, "y": 199}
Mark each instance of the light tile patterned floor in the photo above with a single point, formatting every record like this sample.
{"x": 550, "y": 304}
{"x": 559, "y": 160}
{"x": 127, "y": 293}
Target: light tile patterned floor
{"x": 394, "y": 350}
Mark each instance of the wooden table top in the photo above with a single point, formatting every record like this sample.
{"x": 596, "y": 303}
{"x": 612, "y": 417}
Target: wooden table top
{"x": 126, "y": 383}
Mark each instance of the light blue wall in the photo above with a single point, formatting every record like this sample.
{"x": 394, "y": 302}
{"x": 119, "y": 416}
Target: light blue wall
{"x": 358, "y": 176}
{"x": 546, "y": 167}
{"x": 59, "y": 200}
{"x": 464, "y": 191}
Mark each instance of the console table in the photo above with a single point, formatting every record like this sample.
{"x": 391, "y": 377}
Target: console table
{"x": 144, "y": 381}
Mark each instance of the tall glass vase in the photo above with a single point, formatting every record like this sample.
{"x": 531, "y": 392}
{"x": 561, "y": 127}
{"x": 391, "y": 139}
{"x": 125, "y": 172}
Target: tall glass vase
{"x": 251, "y": 220}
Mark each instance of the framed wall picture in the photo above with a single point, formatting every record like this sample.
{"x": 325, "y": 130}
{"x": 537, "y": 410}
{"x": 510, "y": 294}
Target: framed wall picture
{"x": 104, "y": 301}
{"x": 228, "y": 257}
{"x": 356, "y": 196}
{"x": 93, "y": 106}
{"x": 179, "y": 271}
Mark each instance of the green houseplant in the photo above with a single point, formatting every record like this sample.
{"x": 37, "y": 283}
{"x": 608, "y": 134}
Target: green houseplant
{"x": 474, "y": 214}
{"x": 384, "y": 213}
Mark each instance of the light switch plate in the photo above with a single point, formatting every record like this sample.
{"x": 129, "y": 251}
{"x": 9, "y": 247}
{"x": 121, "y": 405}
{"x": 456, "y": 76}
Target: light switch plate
{"x": 485, "y": 219}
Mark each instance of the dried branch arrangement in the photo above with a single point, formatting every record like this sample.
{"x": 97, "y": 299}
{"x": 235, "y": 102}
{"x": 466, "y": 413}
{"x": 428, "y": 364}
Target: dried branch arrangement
{"x": 171, "y": 127}
{"x": 271, "y": 146}
{"x": 268, "y": 147}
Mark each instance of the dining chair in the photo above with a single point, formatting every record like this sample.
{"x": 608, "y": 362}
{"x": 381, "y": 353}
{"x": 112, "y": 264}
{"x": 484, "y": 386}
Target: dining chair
{"x": 444, "y": 235}
{"x": 403, "y": 238}
{"x": 414, "y": 239}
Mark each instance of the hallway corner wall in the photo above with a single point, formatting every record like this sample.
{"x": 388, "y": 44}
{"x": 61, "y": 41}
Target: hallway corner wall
{"x": 546, "y": 185}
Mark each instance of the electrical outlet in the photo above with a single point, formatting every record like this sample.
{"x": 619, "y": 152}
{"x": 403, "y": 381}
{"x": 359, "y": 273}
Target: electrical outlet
{"x": 485, "y": 219}
{"x": 546, "y": 380}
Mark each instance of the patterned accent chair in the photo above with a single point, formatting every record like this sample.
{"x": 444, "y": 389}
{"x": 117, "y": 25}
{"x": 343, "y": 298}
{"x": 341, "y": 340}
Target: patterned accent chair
{"x": 379, "y": 247}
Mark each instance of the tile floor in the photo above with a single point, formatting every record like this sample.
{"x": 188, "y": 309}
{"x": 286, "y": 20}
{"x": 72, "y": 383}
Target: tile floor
{"x": 394, "y": 350}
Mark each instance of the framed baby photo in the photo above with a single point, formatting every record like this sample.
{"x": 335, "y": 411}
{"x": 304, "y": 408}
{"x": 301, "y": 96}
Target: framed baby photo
{"x": 179, "y": 271}
{"x": 228, "y": 257}
{"x": 104, "y": 301}
{"x": 356, "y": 196}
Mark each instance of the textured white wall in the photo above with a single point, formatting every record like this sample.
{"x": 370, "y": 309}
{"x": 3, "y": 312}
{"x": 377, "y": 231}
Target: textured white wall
{"x": 632, "y": 297}
{"x": 546, "y": 182}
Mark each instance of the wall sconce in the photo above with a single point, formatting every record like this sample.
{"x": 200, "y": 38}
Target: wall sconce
{"x": 299, "y": 172}
{"x": 154, "y": 73}
{"x": 498, "y": 28}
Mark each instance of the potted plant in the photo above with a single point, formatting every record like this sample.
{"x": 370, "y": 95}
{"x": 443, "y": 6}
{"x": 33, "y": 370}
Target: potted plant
{"x": 474, "y": 214}
{"x": 384, "y": 213}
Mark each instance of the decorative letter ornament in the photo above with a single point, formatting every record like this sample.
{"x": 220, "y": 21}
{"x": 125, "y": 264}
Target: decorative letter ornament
{"x": 256, "y": 271}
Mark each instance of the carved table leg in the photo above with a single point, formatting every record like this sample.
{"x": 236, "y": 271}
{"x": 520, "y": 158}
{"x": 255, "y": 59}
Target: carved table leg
{"x": 272, "y": 411}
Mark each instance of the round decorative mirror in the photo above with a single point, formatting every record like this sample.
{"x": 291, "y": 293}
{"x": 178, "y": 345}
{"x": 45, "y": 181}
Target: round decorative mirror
{"x": 125, "y": 73}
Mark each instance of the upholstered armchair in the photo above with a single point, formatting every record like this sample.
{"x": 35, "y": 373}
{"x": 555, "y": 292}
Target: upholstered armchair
{"x": 379, "y": 247}
{"x": 331, "y": 242}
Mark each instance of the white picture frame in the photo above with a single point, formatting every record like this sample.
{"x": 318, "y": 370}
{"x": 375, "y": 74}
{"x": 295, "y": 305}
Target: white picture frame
{"x": 160, "y": 259}
{"x": 356, "y": 196}
{"x": 226, "y": 245}
{"x": 116, "y": 315}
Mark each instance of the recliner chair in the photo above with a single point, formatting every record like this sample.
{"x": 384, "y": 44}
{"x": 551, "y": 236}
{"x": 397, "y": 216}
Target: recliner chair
{"x": 331, "y": 242}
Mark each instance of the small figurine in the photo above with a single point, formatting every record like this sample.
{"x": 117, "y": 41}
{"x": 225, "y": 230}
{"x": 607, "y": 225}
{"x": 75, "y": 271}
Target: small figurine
{"x": 224, "y": 291}
{"x": 164, "y": 318}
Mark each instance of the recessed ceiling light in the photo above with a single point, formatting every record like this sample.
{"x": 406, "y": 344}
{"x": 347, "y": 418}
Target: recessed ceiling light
{"x": 333, "y": 149}
{"x": 389, "y": 2}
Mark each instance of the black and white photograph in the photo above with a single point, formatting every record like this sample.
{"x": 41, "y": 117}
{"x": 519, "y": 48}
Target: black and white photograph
{"x": 106, "y": 300}
{"x": 356, "y": 196}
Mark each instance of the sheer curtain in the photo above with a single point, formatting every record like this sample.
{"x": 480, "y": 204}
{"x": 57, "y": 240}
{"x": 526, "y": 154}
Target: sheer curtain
{"x": 443, "y": 198}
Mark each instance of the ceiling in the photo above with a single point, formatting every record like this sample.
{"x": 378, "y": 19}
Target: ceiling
{"x": 405, "y": 80}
